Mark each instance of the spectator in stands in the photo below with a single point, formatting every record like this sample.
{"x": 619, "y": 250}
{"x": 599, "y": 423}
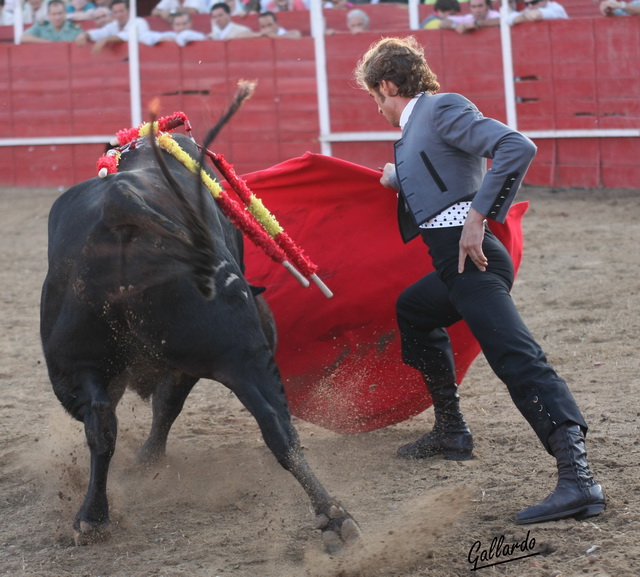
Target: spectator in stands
{"x": 78, "y": 10}
{"x": 237, "y": 7}
{"x": 338, "y": 4}
{"x": 32, "y": 11}
{"x": 6, "y": 12}
{"x": 441, "y": 9}
{"x": 358, "y": 21}
{"x": 56, "y": 28}
{"x": 285, "y": 6}
{"x": 102, "y": 16}
{"x": 480, "y": 15}
{"x": 167, "y": 8}
{"x": 244, "y": 7}
{"x": 116, "y": 31}
{"x": 223, "y": 28}
{"x": 269, "y": 27}
{"x": 181, "y": 32}
{"x": 614, "y": 8}
{"x": 536, "y": 10}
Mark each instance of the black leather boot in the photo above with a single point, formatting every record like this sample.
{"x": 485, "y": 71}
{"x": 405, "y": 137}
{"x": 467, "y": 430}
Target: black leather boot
{"x": 576, "y": 494}
{"x": 450, "y": 437}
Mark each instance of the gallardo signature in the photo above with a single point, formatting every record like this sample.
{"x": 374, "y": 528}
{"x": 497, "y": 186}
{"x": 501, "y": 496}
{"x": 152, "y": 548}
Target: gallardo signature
{"x": 498, "y": 549}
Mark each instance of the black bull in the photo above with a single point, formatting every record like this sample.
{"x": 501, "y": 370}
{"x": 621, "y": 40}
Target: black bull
{"x": 147, "y": 291}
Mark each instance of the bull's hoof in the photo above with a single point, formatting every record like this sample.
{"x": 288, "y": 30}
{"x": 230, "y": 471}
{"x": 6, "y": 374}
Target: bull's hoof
{"x": 87, "y": 533}
{"x": 149, "y": 455}
{"x": 339, "y": 529}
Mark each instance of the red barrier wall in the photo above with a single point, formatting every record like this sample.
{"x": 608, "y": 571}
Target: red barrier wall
{"x": 578, "y": 73}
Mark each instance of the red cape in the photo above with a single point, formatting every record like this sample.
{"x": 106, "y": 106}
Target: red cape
{"x": 340, "y": 357}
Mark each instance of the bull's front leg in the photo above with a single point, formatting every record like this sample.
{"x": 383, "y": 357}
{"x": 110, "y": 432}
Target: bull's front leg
{"x": 337, "y": 525}
{"x": 168, "y": 399}
{"x": 95, "y": 409}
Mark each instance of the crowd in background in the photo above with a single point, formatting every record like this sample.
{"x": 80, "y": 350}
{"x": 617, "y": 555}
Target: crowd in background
{"x": 61, "y": 20}
{"x": 78, "y": 10}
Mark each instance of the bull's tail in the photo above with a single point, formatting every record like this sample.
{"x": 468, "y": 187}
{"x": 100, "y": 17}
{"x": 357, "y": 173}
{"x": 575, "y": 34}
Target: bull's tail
{"x": 243, "y": 93}
{"x": 203, "y": 256}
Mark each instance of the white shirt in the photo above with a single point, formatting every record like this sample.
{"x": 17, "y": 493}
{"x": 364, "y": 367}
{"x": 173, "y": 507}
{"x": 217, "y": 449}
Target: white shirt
{"x": 28, "y": 17}
{"x": 231, "y": 30}
{"x": 408, "y": 109}
{"x": 181, "y": 38}
{"x": 469, "y": 18}
{"x": 170, "y": 5}
{"x": 552, "y": 11}
{"x": 113, "y": 29}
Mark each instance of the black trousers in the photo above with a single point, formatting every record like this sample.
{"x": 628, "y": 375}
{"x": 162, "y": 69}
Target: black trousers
{"x": 483, "y": 300}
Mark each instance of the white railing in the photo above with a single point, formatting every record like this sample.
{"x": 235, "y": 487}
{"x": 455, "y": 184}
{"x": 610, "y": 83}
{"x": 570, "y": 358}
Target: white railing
{"x": 326, "y": 137}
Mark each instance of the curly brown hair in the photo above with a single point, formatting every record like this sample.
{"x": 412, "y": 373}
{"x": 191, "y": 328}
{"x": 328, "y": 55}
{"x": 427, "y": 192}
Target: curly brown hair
{"x": 399, "y": 60}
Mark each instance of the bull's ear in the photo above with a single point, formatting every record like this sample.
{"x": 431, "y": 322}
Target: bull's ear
{"x": 257, "y": 290}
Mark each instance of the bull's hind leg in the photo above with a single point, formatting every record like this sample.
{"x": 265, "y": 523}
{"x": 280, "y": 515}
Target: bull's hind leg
{"x": 167, "y": 402}
{"x": 272, "y": 414}
{"x": 92, "y": 405}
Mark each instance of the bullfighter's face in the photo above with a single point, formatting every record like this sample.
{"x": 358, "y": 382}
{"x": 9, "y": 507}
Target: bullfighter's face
{"x": 385, "y": 96}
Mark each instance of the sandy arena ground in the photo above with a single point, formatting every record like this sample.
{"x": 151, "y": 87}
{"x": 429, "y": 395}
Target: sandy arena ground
{"x": 220, "y": 506}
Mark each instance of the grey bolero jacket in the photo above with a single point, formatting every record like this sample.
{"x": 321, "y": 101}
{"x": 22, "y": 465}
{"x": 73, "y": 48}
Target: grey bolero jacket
{"x": 441, "y": 160}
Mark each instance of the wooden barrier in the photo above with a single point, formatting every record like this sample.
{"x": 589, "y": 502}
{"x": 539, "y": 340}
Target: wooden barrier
{"x": 572, "y": 74}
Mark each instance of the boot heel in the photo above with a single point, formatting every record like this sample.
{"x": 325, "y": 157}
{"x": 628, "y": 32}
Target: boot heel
{"x": 591, "y": 511}
{"x": 458, "y": 456}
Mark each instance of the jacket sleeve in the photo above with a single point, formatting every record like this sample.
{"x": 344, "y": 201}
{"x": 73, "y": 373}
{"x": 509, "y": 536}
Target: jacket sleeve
{"x": 461, "y": 125}
{"x": 393, "y": 180}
